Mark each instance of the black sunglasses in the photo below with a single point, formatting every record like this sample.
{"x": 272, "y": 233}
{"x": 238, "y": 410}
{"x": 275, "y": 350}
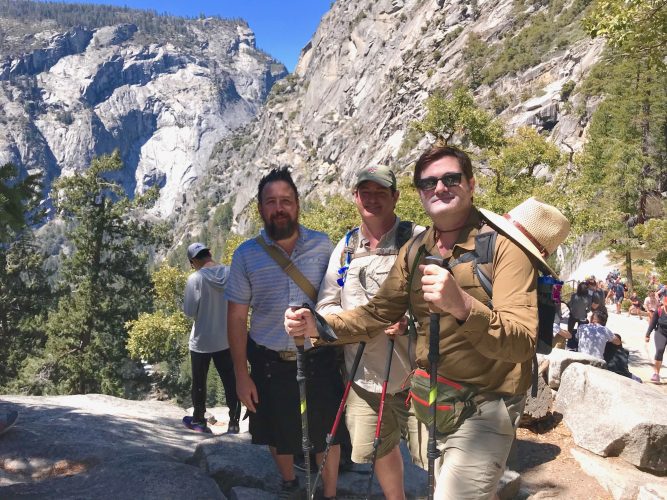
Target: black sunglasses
{"x": 449, "y": 180}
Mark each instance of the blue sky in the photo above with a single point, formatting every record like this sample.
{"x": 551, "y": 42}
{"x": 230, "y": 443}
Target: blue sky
{"x": 281, "y": 28}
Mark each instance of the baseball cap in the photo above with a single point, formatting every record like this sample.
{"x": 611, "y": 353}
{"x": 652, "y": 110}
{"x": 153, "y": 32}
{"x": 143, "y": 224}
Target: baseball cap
{"x": 380, "y": 174}
{"x": 194, "y": 249}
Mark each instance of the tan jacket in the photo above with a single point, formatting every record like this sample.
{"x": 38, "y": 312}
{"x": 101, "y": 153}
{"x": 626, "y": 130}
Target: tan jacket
{"x": 364, "y": 277}
{"x": 492, "y": 349}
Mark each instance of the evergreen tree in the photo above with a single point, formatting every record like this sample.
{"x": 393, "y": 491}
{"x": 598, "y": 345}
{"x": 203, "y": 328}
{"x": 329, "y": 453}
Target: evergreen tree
{"x": 106, "y": 283}
{"x": 24, "y": 290}
{"x": 18, "y": 201}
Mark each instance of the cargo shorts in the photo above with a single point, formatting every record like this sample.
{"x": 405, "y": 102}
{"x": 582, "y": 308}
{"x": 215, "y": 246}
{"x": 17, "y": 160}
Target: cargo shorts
{"x": 361, "y": 416}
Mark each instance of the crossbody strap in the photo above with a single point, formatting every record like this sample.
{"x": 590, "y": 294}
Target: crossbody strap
{"x": 288, "y": 266}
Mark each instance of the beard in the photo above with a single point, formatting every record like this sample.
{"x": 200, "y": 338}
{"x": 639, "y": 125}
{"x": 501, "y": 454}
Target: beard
{"x": 280, "y": 229}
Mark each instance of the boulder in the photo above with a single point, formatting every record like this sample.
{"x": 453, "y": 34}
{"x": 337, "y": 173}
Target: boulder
{"x": 94, "y": 446}
{"x": 560, "y": 359}
{"x": 612, "y": 415}
{"x": 621, "y": 480}
{"x": 237, "y": 466}
{"x": 537, "y": 407}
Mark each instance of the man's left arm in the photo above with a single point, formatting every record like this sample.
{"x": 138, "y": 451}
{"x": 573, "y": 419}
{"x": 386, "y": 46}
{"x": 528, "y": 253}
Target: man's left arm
{"x": 508, "y": 331}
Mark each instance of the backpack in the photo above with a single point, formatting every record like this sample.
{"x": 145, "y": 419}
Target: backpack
{"x": 548, "y": 287}
{"x": 403, "y": 235}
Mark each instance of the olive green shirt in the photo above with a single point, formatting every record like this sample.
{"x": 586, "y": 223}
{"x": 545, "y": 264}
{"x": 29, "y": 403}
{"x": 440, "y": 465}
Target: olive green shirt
{"x": 492, "y": 348}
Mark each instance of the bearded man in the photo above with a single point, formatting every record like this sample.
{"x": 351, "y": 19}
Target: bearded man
{"x": 258, "y": 282}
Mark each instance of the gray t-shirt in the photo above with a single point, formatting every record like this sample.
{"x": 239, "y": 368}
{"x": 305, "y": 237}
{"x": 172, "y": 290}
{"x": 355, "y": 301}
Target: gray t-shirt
{"x": 205, "y": 302}
{"x": 593, "y": 338}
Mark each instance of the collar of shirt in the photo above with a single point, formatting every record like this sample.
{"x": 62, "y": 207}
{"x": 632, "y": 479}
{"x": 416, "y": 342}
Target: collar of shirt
{"x": 387, "y": 239}
{"x": 464, "y": 243}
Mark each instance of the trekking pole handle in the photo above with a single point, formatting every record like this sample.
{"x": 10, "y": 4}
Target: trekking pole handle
{"x": 434, "y": 329}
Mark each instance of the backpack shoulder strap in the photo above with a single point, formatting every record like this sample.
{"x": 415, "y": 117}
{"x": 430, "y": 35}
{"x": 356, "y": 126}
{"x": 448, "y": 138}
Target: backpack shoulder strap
{"x": 413, "y": 256}
{"x": 290, "y": 269}
{"x": 404, "y": 232}
{"x": 485, "y": 245}
{"x": 351, "y": 243}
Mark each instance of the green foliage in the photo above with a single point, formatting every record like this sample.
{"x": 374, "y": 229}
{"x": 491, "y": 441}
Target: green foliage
{"x": 512, "y": 169}
{"x": 459, "y": 121}
{"x": 335, "y": 216}
{"x": 158, "y": 336}
{"x": 476, "y": 52}
{"x": 409, "y": 206}
{"x": 623, "y": 166}
{"x": 25, "y": 296}
{"x": 567, "y": 89}
{"x": 168, "y": 288}
{"x": 104, "y": 282}
{"x": 636, "y": 28}
{"x": 541, "y": 34}
{"x": 18, "y": 200}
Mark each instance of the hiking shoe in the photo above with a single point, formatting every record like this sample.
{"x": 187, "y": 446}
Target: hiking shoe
{"x": 233, "y": 428}
{"x": 290, "y": 490}
{"x": 196, "y": 426}
{"x": 655, "y": 378}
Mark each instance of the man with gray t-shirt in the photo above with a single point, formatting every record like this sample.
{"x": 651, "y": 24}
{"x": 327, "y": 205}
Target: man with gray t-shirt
{"x": 204, "y": 302}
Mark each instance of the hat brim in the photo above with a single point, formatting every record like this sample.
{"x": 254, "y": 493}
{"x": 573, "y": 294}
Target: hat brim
{"x": 510, "y": 230}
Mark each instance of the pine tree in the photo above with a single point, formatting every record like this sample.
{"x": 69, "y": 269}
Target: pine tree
{"x": 106, "y": 283}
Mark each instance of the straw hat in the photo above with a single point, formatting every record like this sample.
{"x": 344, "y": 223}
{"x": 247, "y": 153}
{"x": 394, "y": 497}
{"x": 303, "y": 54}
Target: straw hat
{"x": 535, "y": 226}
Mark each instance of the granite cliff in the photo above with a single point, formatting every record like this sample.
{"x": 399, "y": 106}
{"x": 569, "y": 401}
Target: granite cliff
{"x": 163, "y": 94}
{"x": 364, "y": 76}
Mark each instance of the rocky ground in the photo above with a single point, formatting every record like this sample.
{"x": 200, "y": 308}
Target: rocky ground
{"x": 98, "y": 446}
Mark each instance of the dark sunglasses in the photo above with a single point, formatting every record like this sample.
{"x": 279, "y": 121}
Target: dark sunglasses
{"x": 449, "y": 180}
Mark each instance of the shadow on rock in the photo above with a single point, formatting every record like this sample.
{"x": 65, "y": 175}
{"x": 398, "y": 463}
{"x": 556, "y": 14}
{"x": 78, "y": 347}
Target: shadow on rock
{"x": 531, "y": 454}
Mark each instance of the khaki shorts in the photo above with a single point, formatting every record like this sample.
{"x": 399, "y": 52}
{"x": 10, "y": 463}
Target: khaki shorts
{"x": 473, "y": 458}
{"x": 361, "y": 416}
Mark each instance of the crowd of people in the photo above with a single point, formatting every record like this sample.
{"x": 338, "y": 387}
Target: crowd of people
{"x": 587, "y": 330}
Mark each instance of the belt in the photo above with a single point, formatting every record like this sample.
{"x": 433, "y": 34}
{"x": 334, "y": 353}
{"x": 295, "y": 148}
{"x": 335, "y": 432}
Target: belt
{"x": 276, "y": 355}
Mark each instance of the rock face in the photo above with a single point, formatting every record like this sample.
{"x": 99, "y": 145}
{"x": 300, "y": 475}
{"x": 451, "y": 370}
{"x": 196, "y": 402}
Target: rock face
{"x": 164, "y": 105}
{"x": 591, "y": 400}
{"x": 363, "y": 79}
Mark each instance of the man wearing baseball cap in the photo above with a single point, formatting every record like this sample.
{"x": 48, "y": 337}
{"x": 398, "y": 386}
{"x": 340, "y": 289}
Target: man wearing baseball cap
{"x": 357, "y": 267}
{"x": 204, "y": 302}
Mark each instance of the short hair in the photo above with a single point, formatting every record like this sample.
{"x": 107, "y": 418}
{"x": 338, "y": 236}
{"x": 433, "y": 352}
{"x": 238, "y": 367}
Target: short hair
{"x": 203, "y": 254}
{"x": 601, "y": 316}
{"x": 435, "y": 153}
{"x": 277, "y": 174}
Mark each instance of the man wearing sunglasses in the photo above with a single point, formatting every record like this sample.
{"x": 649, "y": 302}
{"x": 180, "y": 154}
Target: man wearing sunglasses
{"x": 487, "y": 348}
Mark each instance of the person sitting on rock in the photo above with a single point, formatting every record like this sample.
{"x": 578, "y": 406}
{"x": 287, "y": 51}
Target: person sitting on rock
{"x": 636, "y": 307}
{"x": 594, "y": 336}
{"x": 618, "y": 357}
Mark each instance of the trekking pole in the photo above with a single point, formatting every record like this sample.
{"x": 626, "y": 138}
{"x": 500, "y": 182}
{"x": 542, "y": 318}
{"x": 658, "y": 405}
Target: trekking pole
{"x": 432, "y": 451}
{"x": 334, "y": 428}
{"x": 301, "y": 380}
{"x": 376, "y": 441}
